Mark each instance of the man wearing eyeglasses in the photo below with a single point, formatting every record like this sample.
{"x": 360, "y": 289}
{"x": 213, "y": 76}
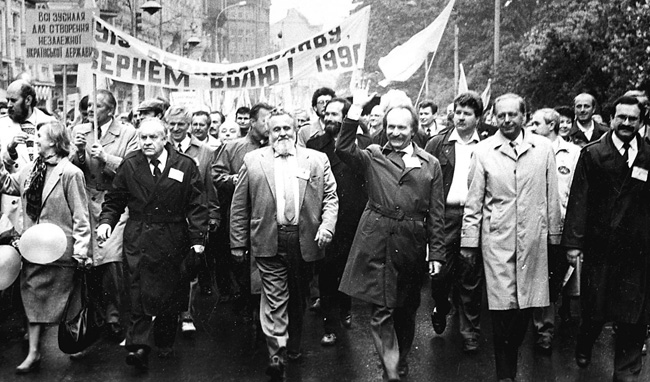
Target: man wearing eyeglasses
{"x": 318, "y": 102}
{"x": 607, "y": 225}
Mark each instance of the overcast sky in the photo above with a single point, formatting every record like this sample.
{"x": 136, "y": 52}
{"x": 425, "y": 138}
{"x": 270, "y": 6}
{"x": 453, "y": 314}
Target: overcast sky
{"x": 317, "y": 11}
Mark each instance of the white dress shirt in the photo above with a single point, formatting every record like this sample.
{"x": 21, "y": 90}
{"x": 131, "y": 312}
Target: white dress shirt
{"x": 464, "y": 150}
{"x": 587, "y": 131}
{"x": 286, "y": 165}
{"x": 163, "y": 161}
{"x": 631, "y": 152}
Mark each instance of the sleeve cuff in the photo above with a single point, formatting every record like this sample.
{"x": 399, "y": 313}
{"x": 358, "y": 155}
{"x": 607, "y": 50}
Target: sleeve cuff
{"x": 355, "y": 112}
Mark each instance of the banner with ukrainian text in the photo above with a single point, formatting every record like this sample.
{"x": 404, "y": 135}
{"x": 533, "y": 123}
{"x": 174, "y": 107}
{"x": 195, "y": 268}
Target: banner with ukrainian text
{"x": 122, "y": 57}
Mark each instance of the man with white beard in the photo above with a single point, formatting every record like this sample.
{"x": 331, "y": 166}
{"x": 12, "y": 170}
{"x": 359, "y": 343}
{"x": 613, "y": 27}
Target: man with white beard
{"x": 284, "y": 213}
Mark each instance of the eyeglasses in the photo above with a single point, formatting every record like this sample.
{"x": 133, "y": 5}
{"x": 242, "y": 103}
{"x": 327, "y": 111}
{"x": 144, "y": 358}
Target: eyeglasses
{"x": 623, "y": 118}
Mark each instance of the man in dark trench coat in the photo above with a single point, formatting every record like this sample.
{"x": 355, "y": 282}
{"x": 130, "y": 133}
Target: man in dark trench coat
{"x": 167, "y": 224}
{"x": 608, "y": 226}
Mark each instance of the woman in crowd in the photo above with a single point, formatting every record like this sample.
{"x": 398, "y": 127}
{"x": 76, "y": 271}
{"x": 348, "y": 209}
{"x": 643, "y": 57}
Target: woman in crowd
{"x": 52, "y": 191}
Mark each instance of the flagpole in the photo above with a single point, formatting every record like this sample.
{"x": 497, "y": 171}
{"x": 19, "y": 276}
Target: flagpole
{"x": 456, "y": 60}
{"x": 96, "y": 129}
{"x": 426, "y": 75}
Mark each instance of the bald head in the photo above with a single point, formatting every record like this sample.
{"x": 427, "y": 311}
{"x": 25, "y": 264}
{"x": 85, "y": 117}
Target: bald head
{"x": 584, "y": 106}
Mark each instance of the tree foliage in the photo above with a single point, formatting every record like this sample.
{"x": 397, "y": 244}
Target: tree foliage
{"x": 551, "y": 50}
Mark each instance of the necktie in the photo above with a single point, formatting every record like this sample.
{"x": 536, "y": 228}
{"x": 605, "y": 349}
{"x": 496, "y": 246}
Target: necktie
{"x": 99, "y": 133}
{"x": 289, "y": 199}
{"x": 156, "y": 169}
{"x": 513, "y": 144}
{"x": 626, "y": 148}
{"x": 180, "y": 149}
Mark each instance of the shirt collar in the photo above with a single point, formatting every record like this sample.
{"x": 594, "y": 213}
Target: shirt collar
{"x": 618, "y": 143}
{"x": 104, "y": 128}
{"x": 455, "y": 137}
{"x": 185, "y": 143}
{"x": 162, "y": 158}
{"x": 292, "y": 151}
{"x": 584, "y": 128}
{"x": 520, "y": 138}
{"x": 408, "y": 150}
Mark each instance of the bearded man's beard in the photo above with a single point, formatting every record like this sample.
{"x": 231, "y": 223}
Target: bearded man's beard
{"x": 282, "y": 146}
{"x": 333, "y": 128}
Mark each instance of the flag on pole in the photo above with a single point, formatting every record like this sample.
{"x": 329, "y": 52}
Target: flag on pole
{"x": 462, "y": 81}
{"x": 487, "y": 93}
{"x": 406, "y": 59}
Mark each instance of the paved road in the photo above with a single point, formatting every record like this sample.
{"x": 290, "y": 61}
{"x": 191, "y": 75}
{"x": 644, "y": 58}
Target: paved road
{"x": 224, "y": 350}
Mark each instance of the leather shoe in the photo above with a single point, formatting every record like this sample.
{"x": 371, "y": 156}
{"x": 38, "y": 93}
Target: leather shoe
{"x": 543, "y": 345}
{"x": 347, "y": 321}
{"x": 315, "y": 307}
{"x": 583, "y": 358}
{"x": 275, "y": 370}
{"x": 470, "y": 345}
{"x": 439, "y": 321}
{"x": 139, "y": 359}
{"x": 329, "y": 339}
{"x": 206, "y": 291}
{"x": 33, "y": 366}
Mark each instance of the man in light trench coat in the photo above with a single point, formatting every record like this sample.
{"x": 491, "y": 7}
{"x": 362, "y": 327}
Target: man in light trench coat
{"x": 513, "y": 222}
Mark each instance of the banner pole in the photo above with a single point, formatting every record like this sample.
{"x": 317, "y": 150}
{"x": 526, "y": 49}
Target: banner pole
{"x": 65, "y": 95}
{"x": 96, "y": 129}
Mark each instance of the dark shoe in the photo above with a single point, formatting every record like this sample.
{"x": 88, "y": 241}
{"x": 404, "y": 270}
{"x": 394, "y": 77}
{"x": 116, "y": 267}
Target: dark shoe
{"x": 439, "y": 321}
{"x": 347, "y": 321}
{"x": 275, "y": 370}
{"x": 329, "y": 339}
{"x": 543, "y": 345}
{"x": 28, "y": 368}
{"x": 315, "y": 307}
{"x": 403, "y": 369}
{"x": 470, "y": 345}
{"x": 206, "y": 291}
{"x": 583, "y": 358}
{"x": 138, "y": 359}
{"x": 166, "y": 353}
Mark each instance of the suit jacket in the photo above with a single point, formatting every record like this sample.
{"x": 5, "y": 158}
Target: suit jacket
{"x": 578, "y": 137}
{"x": 253, "y": 212}
{"x": 608, "y": 218}
{"x": 64, "y": 203}
{"x": 387, "y": 261}
{"x": 204, "y": 156}
{"x": 445, "y": 151}
{"x": 118, "y": 140}
{"x": 166, "y": 217}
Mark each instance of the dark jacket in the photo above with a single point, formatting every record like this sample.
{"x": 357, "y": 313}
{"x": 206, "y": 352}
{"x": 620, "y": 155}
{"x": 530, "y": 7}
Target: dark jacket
{"x": 165, "y": 218}
{"x": 608, "y": 218}
{"x": 578, "y": 137}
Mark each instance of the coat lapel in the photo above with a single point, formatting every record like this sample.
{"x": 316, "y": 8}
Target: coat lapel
{"x": 303, "y": 166}
{"x": 502, "y": 144}
{"x": 53, "y": 180}
{"x": 111, "y": 134}
{"x": 143, "y": 173}
{"x": 267, "y": 168}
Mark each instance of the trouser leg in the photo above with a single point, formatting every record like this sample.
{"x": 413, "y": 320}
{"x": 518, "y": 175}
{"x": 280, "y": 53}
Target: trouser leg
{"x": 404, "y": 322}
{"x": 589, "y": 332}
{"x": 509, "y": 329}
{"x": 544, "y": 321}
{"x": 274, "y": 302}
{"x": 385, "y": 339}
{"x": 298, "y": 283}
{"x": 627, "y": 354}
{"x": 468, "y": 296}
{"x": 113, "y": 284}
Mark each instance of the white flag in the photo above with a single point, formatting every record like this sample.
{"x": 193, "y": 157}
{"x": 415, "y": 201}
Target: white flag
{"x": 406, "y": 59}
{"x": 462, "y": 81}
{"x": 487, "y": 93}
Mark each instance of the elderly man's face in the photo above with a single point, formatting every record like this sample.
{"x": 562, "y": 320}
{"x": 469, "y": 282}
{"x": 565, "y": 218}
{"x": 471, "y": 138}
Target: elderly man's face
{"x": 200, "y": 125}
{"x": 282, "y": 133}
{"x": 17, "y": 105}
{"x": 399, "y": 130}
{"x": 510, "y": 119}
{"x": 178, "y": 127}
{"x": 584, "y": 108}
{"x": 103, "y": 110}
{"x": 152, "y": 138}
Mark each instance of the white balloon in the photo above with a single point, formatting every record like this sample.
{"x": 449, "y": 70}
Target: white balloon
{"x": 9, "y": 266}
{"x": 43, "y": 243}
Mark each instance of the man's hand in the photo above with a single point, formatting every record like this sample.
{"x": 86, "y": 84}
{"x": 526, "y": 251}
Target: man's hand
{"x": 323, "y": 237}
{"x": 80, "y": 141}
{"x": 360, "y": 94}
{"x": 469, "y": 254}
{"x": 213, "y": 225}
{"x": 103, "y": 232}
{"x": 97, "y": 152}
{"x": 434, "y": 267}
{"x": 238, "y": 254}
{"x": 18, "y": 139}
{"x": 573, "y": 256}
{"x": 84, "y": 263}
{"x": 235, "y": 178}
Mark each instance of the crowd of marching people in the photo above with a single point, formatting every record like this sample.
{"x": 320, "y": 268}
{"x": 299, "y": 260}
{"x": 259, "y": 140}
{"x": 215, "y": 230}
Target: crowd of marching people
{"x": 529, "y": 215}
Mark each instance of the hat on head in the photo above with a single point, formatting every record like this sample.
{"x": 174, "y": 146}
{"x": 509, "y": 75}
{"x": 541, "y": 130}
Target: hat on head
{"x": 153, "y": 104}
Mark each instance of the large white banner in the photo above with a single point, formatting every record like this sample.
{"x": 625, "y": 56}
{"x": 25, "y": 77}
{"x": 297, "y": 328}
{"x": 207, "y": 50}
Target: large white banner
{"x": 122, "y": 57}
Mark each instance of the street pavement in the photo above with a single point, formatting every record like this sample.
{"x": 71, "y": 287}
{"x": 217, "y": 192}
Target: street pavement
{"x": 225, "y": 349}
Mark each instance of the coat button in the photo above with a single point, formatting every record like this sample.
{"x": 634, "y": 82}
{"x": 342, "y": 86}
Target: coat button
{"x": 401, "y": 183}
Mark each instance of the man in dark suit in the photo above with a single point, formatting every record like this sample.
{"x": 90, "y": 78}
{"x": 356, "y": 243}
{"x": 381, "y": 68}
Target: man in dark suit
{"x": 225, "y": 174}
{"x": 284, "y": 212}
{"x": 352, "y": 200}
{"x": 167, "y": 225}
{"x": 584, "y": 129}
{"x": 454, "y": 149}
{"x": 608, "y": 226}
{"x": 178, "y": 120}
